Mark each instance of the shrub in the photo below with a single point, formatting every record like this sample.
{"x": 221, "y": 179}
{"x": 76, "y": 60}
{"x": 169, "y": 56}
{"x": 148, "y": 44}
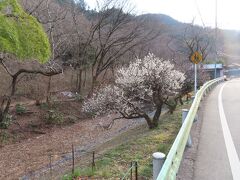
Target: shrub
{"x": 4, "y": 137}
{"x": 53, "y": 117}
{"x": 7, "y": 120}
{"x": 79, "y": 97}
{"x": 44, "y": 106}
{"x": 20, "y": 109}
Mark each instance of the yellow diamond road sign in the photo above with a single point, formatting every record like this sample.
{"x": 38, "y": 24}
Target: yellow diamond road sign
{"x": 196, "y": 57}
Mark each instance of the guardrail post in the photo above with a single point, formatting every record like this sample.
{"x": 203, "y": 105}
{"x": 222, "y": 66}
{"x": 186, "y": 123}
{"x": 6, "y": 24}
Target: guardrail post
{"x": 210, "y": 87}
{"x": 184, "y": 115}
{"x": 158, "y": 161}
{"x": 205, "y": 93}
{"x": 207, "y": 90}
{"x": 196, "y": 117}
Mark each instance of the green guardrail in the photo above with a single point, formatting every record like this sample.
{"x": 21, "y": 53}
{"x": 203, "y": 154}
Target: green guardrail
{"x": 171, "y": 165}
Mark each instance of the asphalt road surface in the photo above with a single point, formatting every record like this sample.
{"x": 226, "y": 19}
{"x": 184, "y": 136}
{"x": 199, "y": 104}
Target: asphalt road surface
{"x": 219, "y": 145}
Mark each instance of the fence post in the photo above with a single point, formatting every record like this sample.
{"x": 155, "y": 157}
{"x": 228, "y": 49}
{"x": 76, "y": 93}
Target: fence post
{"x": 136, "y": 170}
{"x": 158, "y": 161}
{"x": 73, "y": 160}
{"x": 50, "y": 164}
{"x": 93, "y": 160}
{"x": 184, "y": 115}
{"x": 131, "y": 175}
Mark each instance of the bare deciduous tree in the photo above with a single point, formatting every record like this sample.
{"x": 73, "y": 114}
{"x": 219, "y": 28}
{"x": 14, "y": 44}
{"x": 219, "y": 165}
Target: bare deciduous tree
{"x": 4, "y": 62}
{"x": 197, "y": 39}
{"x": 114, "y": 31}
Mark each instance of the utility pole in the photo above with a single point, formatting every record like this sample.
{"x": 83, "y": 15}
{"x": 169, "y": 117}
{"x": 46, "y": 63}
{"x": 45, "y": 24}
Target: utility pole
{"x": 215, "y": 70}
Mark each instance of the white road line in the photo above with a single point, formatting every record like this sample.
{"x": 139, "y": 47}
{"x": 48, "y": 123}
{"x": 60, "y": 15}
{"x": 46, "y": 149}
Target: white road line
{"x": 231, "y": 150}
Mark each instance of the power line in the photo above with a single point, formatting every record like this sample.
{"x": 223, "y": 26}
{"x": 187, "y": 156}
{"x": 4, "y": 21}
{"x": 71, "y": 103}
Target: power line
{"x": 199, "y": 13}
{"x": 228, "y": 55}
{"x": 216, "y": 13}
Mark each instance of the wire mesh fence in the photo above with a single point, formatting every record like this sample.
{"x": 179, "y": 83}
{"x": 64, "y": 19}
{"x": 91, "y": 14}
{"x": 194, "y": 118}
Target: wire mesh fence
{"x": 130, "y": 174}
{"x": 58, "y": 164}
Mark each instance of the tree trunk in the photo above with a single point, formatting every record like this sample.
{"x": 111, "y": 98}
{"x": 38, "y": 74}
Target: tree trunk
{"x": 72, "y": 80}
{"x": 94, "y": 81}
{"x": 104, "y": 75}
{"x": 153, "y": 123}
{"x": 14, "y": 81}
{"x": 188, "y": 96}
{"x": 2, "y": 113}
{"x": 180, "y": 100}
{"x": 85, "y": 78}
{"x": 157, "y": 115}
{"x": 48, "y": 89}
{"x": 5, "y": 109}
{"x": 1, "y": 116}
{"x": 172, "y": 104}
{"x": 149, "y": 121}
{"x": 171, "y": 109}
{"x": 79, "y": 86}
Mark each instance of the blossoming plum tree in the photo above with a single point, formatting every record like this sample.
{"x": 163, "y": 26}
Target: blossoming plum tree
{"x": 147, "y": 82}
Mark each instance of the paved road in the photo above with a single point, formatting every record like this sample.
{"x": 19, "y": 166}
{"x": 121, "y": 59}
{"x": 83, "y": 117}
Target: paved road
{"x": 219, "y": 147}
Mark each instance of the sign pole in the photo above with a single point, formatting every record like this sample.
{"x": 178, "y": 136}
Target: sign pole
{"x": 196, "y": 58}
{"x": 195, "y": 79}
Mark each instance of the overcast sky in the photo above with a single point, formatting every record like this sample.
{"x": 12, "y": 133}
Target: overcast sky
{"x": 186, "y": 10}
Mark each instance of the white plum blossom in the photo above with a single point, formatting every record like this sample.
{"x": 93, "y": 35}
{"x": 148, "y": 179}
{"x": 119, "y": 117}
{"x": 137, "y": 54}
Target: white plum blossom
{"x": 151, "y": 72}
{"x": 102, "y": 102}
{"x": 145, "y": 82}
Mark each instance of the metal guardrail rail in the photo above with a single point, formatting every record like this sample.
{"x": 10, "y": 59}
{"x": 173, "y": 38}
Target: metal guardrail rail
{"x": 171, "y": 165}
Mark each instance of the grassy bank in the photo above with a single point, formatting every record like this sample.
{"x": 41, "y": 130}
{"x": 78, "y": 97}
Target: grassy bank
{"x": 115, "y": 162}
